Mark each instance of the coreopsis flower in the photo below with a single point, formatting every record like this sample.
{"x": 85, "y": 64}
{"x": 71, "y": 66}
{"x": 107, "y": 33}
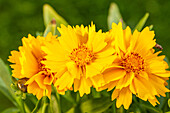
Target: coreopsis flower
{"x": 27, "y": 65}
{"x": 137, "y": 68}
{"x": 78, "y": 56}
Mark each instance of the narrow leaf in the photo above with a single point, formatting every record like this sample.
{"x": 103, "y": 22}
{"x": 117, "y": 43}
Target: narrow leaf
{"x": 142, "y": 22}
{"x": 114, "y": 16}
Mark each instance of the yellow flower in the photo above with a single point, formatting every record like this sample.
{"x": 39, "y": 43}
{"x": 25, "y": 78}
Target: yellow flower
{"x": 78, "y": 56}
{"x": 27, "y": 64}
{"x": 137, "y": 68}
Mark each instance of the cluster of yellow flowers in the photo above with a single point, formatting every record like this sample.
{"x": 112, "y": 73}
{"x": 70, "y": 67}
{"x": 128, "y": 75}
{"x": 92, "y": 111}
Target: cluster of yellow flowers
{"x": 82, "y": 58}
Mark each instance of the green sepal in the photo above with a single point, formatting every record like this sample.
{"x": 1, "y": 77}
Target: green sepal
{"x": 49, "y": 13}
{"x": 114, "y": 16}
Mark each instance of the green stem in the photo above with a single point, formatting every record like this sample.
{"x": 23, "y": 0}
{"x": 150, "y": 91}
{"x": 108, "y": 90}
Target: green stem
{"x": 20, "y": 104}
{"x": 78, "y": 97}
{"x": 45, "y": 104}
{"x": 58, "y": 102}
{"x": 114, "y": 106}
{"x": 36, "y": 107}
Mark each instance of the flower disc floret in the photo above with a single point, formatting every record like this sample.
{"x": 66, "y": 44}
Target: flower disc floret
{"x": 133, "y": 63}
{"x": 82, "y": 55}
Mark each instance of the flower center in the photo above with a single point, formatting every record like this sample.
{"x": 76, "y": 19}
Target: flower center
{"x": 41, "y": 66}
{"x": 133, "y": 63}
{"x": 81, "y": 55}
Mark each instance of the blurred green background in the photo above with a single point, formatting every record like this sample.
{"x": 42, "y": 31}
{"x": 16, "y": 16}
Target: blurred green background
{"x": 21, "y": 17}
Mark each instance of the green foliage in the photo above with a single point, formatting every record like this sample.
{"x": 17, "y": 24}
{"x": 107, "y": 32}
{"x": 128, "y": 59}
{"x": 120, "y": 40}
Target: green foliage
{"x": 114, "y": 16}
{"x": 97, "y": 105}
{"x": 49, "y": 13}
{"x": 5, "y": 82}
{"x": 142, "y": 22}
{"x": 20, "y": 18}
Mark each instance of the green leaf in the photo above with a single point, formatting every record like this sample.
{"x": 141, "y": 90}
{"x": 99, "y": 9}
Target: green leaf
{"x": 49, "y": 13}
{"x": 5, "y": 82}
{"x": 169, "y": 103}
{"x": 5, "y": 75}
{"x": 72, "y": 110}
{"x": 150, "y": 108}
{"x": 97, "y": 105}
{"x": 11, "y": 110}
{"x": 37, "y": 106}
{"x": 114, "y": 16}
{"x": 95, "y": 93}
{"x": 167, "y": 112}
{"x": 54, "y": 104}
{"x": 5, "y": 103}
{"x": 142, "y": 22}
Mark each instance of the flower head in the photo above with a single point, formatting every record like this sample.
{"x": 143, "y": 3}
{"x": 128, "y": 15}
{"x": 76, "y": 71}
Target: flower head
{"x": 27, "y": 63}
{"x": 137, "y": 69}
{"x": 78, "y": 56}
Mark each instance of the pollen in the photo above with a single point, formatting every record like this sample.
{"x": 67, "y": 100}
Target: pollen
{"x": 82, "y": 55}
{"x": 133, "y": 63}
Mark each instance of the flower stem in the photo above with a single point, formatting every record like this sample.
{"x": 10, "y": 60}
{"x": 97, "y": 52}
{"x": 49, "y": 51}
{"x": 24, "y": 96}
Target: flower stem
{"x": 77, "y": 97}
{"x": 20, "y": 104}
{"x": 58, "y": 102}
{"x": 114, "y": 106}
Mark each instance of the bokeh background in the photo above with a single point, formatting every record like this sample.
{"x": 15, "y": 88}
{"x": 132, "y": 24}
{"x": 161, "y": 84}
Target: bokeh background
{"x": 21, "y": 17}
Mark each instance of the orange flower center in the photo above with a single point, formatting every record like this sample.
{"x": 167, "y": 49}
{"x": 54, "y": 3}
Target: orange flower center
{"x": 41, "y": 67}
{"x": 81, "y": 55}
{"x": 133, "y": 63}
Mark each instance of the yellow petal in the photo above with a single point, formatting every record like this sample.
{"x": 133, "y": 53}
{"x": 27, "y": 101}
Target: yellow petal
{"x": 120, "y": 43}
{"x": 112, "y": 74}
{"x": 144, "y": 88}
{"x": 127, "y": 36}
{"x": 29, "y": 63}
{"x": 144, "y": 75}
{"x": 132, "y": 87}
{"x": 115, "y": 94}
{"x": 68, "y": 38}
{"x": 96, "y": 41}
{"x": 125, "y": 98}
{"x": 63, "y": 81}
{"x": 159, "y": 85}
{"x": 97, "y": 80}
{"x": 40, "y": 80}
{"x": 153, "y": 101}
{"x": 85, "y": 86}
{"x": 74, "y": 70}
{"x": 145, "y": 40}
{"x": 156, "y": 66}
{"x": 125, "y": 81}
{"x": 92, "y": 70}
{"x": 48, "y": 79}
{"x": 107, "y": 51}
